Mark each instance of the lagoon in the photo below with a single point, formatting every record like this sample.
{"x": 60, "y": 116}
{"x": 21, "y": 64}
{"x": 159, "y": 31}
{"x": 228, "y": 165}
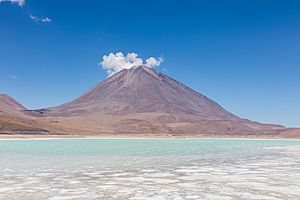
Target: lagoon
{"x": 60, "y": 169}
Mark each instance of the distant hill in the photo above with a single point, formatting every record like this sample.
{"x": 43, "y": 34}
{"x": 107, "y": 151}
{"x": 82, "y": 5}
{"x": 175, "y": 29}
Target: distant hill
{"x": 13, "y": 120}
{"x": 9, "y": 105}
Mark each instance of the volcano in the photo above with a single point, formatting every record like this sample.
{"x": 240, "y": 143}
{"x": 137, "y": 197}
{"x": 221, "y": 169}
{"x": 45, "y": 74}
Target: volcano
{"x": 141, "y": 90}
{"x": 138, "y": 101}
{"x": 141, "y": 100}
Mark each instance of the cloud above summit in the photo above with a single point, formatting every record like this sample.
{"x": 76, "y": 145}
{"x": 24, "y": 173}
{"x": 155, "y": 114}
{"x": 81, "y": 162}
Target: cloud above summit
{"x": 115, "y": 62}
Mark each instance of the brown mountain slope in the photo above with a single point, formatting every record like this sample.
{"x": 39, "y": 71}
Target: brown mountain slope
{"x": 135, "y": 101}
{"x": 13, "y": 120}
{"x": 141, "y": 90}
{"x": 9, "y": 105}
{"x": 291, "y": 133}
{"x": 142, "y": 101}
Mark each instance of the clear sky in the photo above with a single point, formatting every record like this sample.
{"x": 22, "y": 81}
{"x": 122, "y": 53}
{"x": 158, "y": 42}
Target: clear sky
{"x": 244, "y": 54}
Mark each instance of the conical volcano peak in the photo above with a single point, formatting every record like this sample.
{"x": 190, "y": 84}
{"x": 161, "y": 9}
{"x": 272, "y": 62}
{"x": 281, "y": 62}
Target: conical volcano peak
{"x": 133, "y": 74}
{"x": 145, "y": 69}
{"x": 134, "y": 69}
{"x": 139, "y": 67}
{"x": 142, "y": 89}
{"x": 142, "y": 100}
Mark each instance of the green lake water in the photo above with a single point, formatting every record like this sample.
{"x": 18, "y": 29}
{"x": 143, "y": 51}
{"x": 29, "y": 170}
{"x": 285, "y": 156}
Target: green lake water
{"x": 149, "y": 169}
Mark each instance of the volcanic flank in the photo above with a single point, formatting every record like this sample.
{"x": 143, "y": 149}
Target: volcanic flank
{"x": 141, "y": 90}
{"x": 143, "y": 101}
{"x": 13, "y": 120}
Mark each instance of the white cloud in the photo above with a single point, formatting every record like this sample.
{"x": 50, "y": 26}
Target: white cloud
{"x": 154, "y": 62}
{"x": 46, "y": 19}
{"x": 19, "y": 2}
{"x": 35, "y": 18}
{"x": 115, "y": 62}
{"x": 40, "y": 19}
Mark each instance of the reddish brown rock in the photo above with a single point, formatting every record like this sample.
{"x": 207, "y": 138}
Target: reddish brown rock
{"x": 141, "y": 101}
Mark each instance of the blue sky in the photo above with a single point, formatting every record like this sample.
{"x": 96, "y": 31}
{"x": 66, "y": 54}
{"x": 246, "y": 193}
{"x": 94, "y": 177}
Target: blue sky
{"x": 245, "y": 55}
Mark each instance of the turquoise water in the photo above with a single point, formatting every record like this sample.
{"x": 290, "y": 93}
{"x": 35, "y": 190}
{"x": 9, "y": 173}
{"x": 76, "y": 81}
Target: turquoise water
{"x": 135, "y": 147}
{"x": 149, "y": 169}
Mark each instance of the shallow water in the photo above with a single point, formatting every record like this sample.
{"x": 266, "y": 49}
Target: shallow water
{"x": 149, "y": 169}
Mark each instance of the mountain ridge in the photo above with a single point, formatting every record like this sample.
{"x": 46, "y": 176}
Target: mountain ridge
{"x": 141, "y": 101}
{"x": 9, "y": 104}
{"x": 13, "y": 120}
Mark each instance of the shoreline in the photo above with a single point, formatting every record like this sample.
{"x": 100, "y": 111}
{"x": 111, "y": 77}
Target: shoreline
{"x": 132, "y": 136}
